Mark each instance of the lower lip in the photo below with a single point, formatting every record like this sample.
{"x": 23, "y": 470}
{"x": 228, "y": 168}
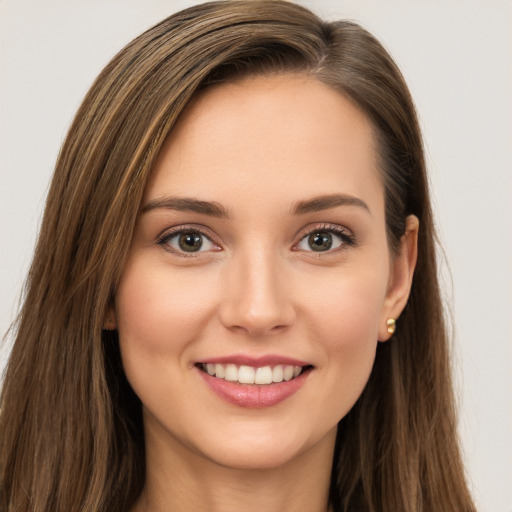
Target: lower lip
{"x": 253, "y": 395}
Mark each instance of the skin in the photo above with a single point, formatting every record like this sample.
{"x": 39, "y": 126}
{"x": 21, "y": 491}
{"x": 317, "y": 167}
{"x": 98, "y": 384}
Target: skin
{"x": 257, "y": 148}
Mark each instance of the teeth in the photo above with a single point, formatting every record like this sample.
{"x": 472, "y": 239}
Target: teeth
{"x": 288, "y": 373}
{"x": 263, "y": 375}
{"x": 219, "y": 371}
{"x": 277, "y": 373}
{"x": 246, "y": 375}
{"x": 231, "y": 372}
{"x": 249, "y": 375}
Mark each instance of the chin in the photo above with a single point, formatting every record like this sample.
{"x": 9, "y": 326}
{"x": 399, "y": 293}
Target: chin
{"x": 265, "y": 450}
{"x": 252, "y": 458}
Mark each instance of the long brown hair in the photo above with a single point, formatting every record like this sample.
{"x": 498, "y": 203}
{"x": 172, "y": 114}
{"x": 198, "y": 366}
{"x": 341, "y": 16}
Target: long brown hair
{"x": 71, "y": 429}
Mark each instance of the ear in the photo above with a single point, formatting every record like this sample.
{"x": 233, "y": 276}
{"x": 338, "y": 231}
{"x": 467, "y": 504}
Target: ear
{"x": 400, "y": 277}
{"x": 110, "y": 323}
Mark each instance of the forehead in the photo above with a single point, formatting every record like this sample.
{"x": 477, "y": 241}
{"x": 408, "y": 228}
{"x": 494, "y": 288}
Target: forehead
{"x": 288, "y": 133}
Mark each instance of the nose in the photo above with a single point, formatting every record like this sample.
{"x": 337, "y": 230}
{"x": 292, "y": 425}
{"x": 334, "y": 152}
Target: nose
{"x": 257, "y": 295}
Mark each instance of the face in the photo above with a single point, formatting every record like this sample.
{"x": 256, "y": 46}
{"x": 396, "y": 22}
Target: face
{"x": 259, "y": 280}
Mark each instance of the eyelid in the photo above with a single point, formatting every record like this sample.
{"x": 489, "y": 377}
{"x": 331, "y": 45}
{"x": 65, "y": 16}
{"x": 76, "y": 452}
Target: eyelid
{"x": 164, "y": 237}
{"x": 346, "y": 234}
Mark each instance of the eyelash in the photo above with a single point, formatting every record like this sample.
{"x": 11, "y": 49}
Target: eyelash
{"x": 164, "y": 239}
{"x": 345, "y": 235}
{"x": 347, "y": 238}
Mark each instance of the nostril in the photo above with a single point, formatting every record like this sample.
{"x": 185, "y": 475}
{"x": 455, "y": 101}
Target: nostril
{"x": 257, "y": 298}
{"x": 257, "y": 323}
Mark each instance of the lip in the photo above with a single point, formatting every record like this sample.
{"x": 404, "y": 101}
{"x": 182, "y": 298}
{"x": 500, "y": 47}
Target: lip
{"x": 254, "y": 395}
{"x": 256, "y": 362}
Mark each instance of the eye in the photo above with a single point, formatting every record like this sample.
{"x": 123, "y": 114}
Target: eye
{"x": 325, "y": 239}
{"x": 187, "y": 242}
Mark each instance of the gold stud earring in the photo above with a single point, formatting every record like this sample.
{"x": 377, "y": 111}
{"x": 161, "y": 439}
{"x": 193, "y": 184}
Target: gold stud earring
{"x": 391, "y": 324}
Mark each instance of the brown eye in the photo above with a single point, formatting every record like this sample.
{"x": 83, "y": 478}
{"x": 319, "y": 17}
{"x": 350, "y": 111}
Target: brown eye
{"x": 190, "y": 242}
{"x": 326, "y": 239}
{"x": 320, "y": 241}
{"x": 187, "y": 242}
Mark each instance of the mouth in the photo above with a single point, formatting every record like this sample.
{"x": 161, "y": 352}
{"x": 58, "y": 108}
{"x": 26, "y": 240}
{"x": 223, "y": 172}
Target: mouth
{"x": 254, "y": 382}
{"x": 251, "y": 375}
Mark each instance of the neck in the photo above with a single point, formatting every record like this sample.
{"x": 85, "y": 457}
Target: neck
{"x": 180, "y": 480}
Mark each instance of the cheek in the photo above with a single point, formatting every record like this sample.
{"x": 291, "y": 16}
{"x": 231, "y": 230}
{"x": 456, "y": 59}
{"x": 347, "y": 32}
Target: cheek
{"x": 160, "y": 312}
{"x": 348, "y": 308}
{"x": 346, "y": 322}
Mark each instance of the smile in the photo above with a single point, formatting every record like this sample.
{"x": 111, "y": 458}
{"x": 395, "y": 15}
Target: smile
{"x": 243, "y": 374}
{"x": 250, "y": 382}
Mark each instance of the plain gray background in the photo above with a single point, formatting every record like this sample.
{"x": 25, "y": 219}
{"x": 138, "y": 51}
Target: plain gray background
{"x": 457, "y": 59}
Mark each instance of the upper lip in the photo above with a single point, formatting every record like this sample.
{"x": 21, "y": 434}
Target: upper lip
{"x": 256, "y": 362}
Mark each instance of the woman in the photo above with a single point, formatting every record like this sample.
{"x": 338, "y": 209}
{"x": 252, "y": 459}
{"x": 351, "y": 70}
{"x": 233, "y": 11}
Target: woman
{"x": 221, "y": 311}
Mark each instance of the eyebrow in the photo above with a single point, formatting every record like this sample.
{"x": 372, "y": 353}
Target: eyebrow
{"x": 320, "y": 203}
{"x": 187, "y": 204}
{"x": 214, "y": 209}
